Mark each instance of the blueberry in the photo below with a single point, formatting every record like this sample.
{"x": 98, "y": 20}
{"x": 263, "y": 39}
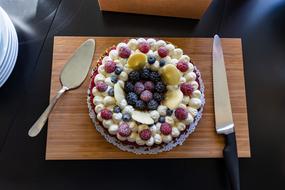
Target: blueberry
{"x": 118, "y": 70}
{"x": 111, "y": 92}
{"x": 161, "y": 63}
{"x": 116, "y": 109}
{"x": 114, "y": 79}
{"x": 129, "y": 87}
{"x": 161, "y": 119}
{"x": 126, "y": 117}
{"x": 152, "y": 105}
{"x": 151, "y": 60}
{"x": 169, "y": 112}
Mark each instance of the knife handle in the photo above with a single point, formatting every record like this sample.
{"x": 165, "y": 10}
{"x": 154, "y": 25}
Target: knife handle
{"x": 231, "y": 160}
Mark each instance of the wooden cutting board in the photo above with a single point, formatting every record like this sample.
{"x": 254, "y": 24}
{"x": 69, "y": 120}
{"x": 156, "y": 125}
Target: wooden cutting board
{"x": 71, "y": 134}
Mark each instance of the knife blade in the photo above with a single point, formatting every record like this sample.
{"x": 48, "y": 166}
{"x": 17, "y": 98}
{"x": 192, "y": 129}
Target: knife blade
{"x": 223, "y": 113}
{"x": 72, "y": 76}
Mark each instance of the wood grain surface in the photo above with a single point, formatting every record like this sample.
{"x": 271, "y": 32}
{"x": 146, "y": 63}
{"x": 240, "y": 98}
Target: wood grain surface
{"x": 72, "y": 136}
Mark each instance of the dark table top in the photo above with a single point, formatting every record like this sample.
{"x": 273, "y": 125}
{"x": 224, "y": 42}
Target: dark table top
{"x": 260, "y": 24}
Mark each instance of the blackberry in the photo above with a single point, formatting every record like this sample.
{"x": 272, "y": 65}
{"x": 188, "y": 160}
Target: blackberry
{"x": 126, "y": 117}
{"x": 145, "y": 73}
{"x": 151, "y": 60}
{"x": 161, "y": 63}
{"x": 159, "y": 87}
{"x": 161, "y": 119}
{"x": 154, "y": 76}
{"x": 132, "y": 98}
{"x": 114, "y": 79}
{"x": 111, "y": 92}
{"x": 118, "y": 70}
{"x": 169, "y": 112}
{"x": 152, "y": 105}
{"x": 129, "y": 87}
{"x": 140, "y": 105}
{"x": 134, "y": 76}
{"x": 116, "y": 109}
{"x": 158, "y": 97}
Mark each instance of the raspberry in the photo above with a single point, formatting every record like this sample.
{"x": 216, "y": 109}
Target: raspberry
{"x": 134, "y": 76}
{"x": 148, "y": 85}
{"x": 101, "y": 86}
{"x": 182, "y": 66}
{"x": 154, "y": 76}
{"x": 186, "y": 89}
{"x": 145, "y": 73}
{"x": 132, "y": 98}
{"x": 162, "y": 52}
{"x": 106, "y": 114}
{"x": 138, "y": 88}
{"x": 152, "y": 105}
{"x": 124, "y": 130}
{"x": 124, "y": 52}
{"x": 129, "y": 87}
{"x": 158, "y": 97}
{"x": 144, "y": 47}
{"x": 146, "y": 96}
{"x": 110, "y": 66}
{"x": 181, "y": 114}
{"x": 140, "y": 105}
{"x": 165, "y": 128}
{"x": 145, "y": 134}
{"x": 160, "y": 87}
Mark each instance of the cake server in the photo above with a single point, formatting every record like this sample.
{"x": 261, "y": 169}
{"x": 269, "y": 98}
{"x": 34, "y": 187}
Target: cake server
{"x": 223, "y": 113}
{"x": 72, "y": 76}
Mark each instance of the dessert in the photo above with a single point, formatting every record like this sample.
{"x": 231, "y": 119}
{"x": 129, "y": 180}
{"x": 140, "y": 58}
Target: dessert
{"x": 145, "y": 96}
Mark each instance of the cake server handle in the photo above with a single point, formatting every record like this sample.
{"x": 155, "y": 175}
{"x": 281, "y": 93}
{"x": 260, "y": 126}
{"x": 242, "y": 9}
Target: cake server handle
{"x": 38, "y": 125}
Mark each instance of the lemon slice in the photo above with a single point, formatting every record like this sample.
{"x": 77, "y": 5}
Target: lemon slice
{"x": 137, "y": 61}
{"x": 170, "y": 74}
{"x": 173, "y": 98}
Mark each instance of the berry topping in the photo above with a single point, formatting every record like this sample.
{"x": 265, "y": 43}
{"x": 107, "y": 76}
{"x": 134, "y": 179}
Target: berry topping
{"x": 134, "y": 76}
{"x": 110, "y": 66}
{"x": 181, "y": 114}
{"x": 160, "y": 87}
{"x": 101, "y": 86}
{"x": 114, "y": 79}
{"x": 129, "y": 87}
{"x": 111, "y": 92}
{"x": 145, "y": 73}
{"x": 182, "y": 66}
{"x": 116, "y": 109}
{"x": 146, "y": 96}
{"x": 161, "y": 119}
{"x": 165, "y": 128}
{"x": 124, "y": 52}
{"x": 162, "y": 51}
{"x": 126, "y": 117}
{"x": 151, "y": 59}
{"x": 154, "y": 76}
{"x": 132, "y": 98}
{"x": 186, "y": 89}
{"x": 161, "y": 63}
{"x": 169, "y": 112}
{"x": 139, "y": 87}
{"x": 106, "y": 114}
{"x": 152, "y": 105}
{"x": 158, "y": 97}
{"x": 145, "y": 134}
{"x": 124, "y": 130}
{"x": 144, "y": 47}
{"x": 118, "y": 70}
{"x": 140, "y": 105}
{"x": 148, "y": 85}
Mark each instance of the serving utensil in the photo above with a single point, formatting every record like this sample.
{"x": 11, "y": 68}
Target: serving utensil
{"x": 223, "y": 113}
{"x": 72, "y": 76}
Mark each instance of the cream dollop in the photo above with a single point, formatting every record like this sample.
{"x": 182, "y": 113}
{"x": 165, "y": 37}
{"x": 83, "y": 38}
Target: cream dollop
{"x": 128, "y": 109}
{"x": 180, "y": 126}
{"x": 196, "y": 94}
{"x": 107, "y": 123}
{"x": 99, "y": 77}
{"x": 154, "y": 129}
{"x": 195, "y": 85}
{"x": 195, "y": 103}
{"x": 133, "y": 44}
{"x": 175, "y": 132}
{"x": 123, "y": 103}
{"x": 133, "y": 126}
{"x": 150, "y": 141}
{"x": 154, "y": 115}
{"x": 189, "y": 119}
{"x": 169, "y": 120}
{"x": 113, "y": 129}
{"x": 157, "y": 139}
{"x": 151, "y": 42}
{"x": 109, "y": 100}
{"x": 132, "y": 137}
{"x": 139, "y": 141}
{"x": 162, "y": 110}
{"x": 190, "y": 76}
{"x": 166, "y": 138}
{"x": 117, "y": 117}
{"x": 177, "y": 53}
{"x": 192, "y": 111}
{"x": 99, "y": 108}
{"x": 97, "y": 100}
{"x": 123, "y": 76}
{"x": 121, "y": 138}
{"x": 113, "y": 54}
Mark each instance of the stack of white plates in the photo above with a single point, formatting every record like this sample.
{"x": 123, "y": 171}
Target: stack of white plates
{"x": 8, "y": 46}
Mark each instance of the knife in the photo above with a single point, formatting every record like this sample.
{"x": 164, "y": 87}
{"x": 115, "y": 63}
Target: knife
{"x": 72, "y": 76}
{"x": 223, "y": 114}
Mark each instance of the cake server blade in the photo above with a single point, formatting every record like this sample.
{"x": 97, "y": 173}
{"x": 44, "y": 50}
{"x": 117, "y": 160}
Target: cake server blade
{"x": 223, "y": 113}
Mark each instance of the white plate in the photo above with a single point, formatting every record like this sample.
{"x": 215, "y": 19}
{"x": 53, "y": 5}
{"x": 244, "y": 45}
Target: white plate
{"x": 12, "y": 52}
{"x": 4, "y": 35}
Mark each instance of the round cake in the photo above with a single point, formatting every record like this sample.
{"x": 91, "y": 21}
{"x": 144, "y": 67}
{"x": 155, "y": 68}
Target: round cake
{"x": 145, "y": 96}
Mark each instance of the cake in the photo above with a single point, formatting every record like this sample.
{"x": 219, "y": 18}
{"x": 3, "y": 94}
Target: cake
{"x": 145, "y": 96}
